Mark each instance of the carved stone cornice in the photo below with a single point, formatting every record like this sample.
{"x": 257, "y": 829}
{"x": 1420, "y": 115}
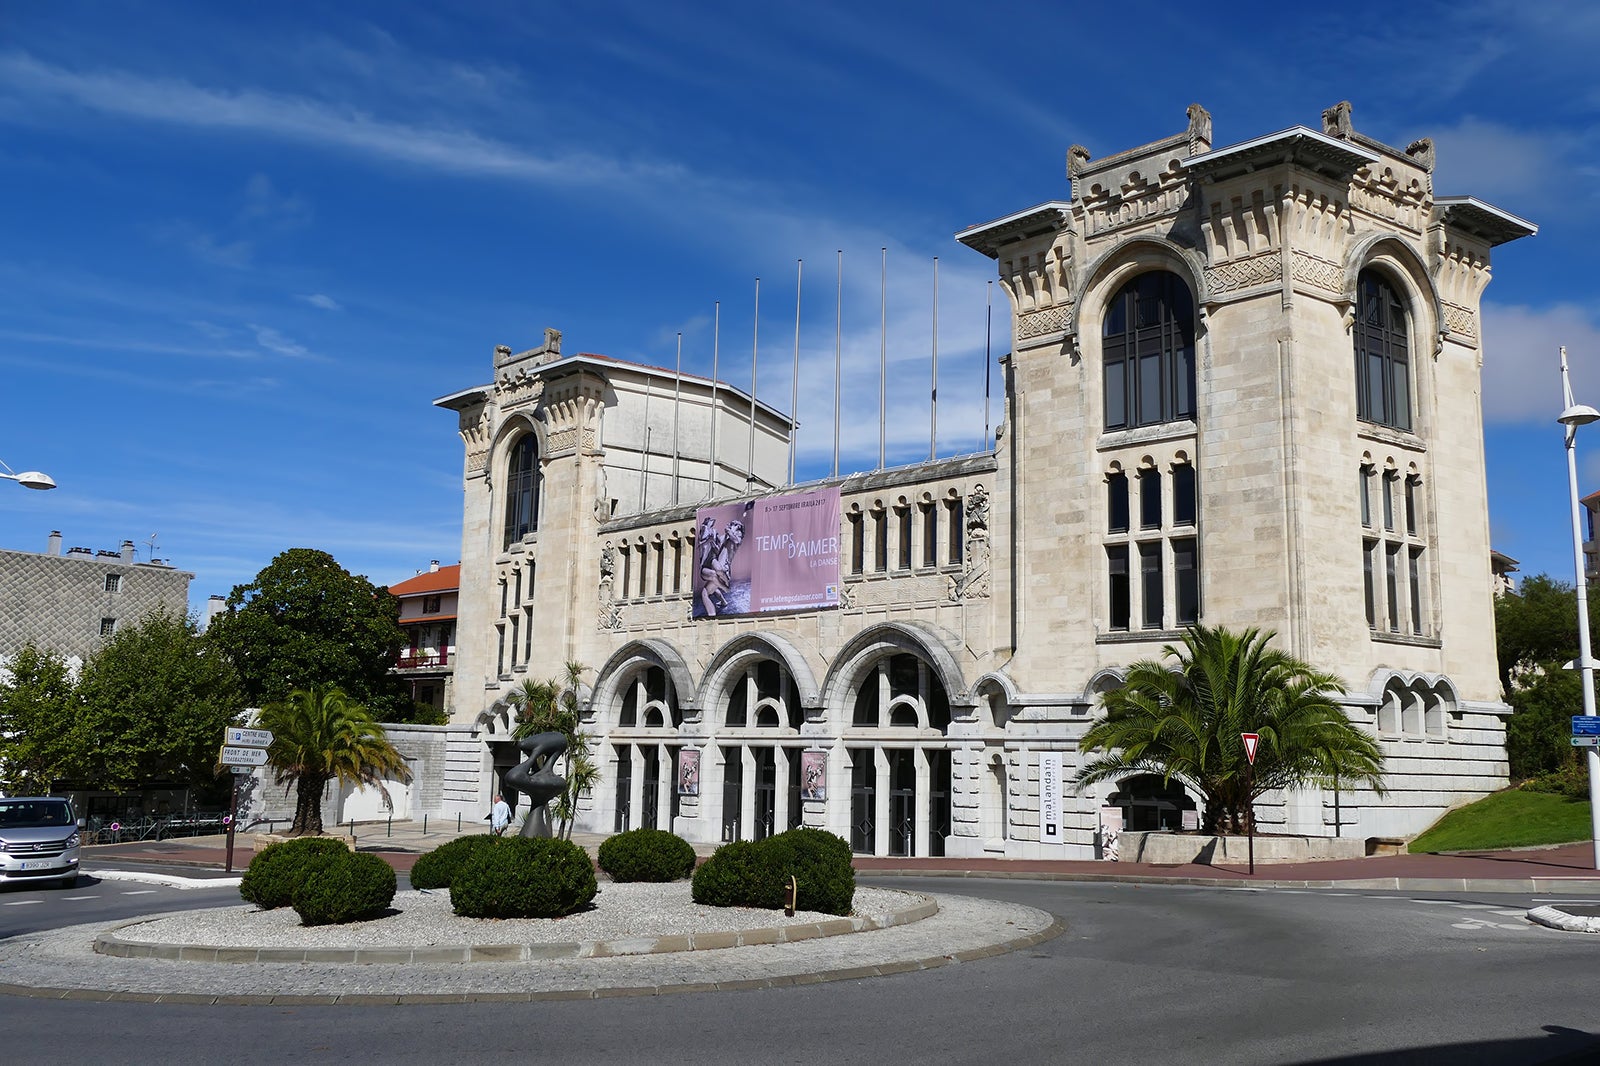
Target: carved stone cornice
{"x": 476, "y": 426}
{"x": 1134, "y": 199}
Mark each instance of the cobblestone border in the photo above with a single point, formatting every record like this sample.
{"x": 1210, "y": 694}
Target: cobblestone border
{"x": 854, "y": 973}
{"x": 109, "y": 943}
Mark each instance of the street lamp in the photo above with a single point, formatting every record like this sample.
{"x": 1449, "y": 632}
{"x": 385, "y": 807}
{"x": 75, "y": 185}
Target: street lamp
{"x": 30, "y": 479}
{"x": 1575, "y": 415}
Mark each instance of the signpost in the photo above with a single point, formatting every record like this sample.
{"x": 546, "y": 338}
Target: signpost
{"x": 1251, "y": 740}
{"x": 242, "y": 751}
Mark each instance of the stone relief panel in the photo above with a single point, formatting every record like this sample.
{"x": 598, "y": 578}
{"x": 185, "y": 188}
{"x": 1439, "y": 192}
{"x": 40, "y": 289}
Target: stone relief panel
{"x": 1264, "y": 268}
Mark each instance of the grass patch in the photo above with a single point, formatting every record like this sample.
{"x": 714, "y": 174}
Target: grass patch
{"x": 1509, "y": 819}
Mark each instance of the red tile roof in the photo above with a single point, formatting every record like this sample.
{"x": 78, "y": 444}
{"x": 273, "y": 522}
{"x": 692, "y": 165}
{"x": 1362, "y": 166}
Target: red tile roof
{"x": 444, "y": 579}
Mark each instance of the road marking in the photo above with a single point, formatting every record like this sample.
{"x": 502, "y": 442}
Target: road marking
{"x": 23, "y": 902}
{"x": 1543, "y": 899}
{"x": 141, "y": 892}
{"x": 81, "y": 897}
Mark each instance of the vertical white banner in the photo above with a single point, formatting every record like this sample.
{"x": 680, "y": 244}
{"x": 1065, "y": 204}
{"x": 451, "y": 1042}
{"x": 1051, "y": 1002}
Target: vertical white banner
{"x": 1050, "y": 797}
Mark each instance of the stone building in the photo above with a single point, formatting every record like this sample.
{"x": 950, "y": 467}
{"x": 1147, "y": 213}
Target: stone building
{"x": 1244, "y": 390}
{"x": 70, "y": 602}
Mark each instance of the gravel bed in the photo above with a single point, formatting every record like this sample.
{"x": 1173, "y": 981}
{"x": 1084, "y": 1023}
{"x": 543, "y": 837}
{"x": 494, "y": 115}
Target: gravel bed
{"x": 424, "y": 919}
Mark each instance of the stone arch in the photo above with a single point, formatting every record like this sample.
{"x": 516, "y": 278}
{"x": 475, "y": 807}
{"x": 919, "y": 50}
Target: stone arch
{"x": 1398, "y": 260}
{"x": 626, "y": 659}
{"x": 738, "y": 652}
{"x": 999, "y": 694}
{"x": 1135, "y": 255}
{"x": 889, "y": 638}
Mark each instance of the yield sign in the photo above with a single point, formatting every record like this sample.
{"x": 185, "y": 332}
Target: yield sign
{"x": 1250, "y": 742}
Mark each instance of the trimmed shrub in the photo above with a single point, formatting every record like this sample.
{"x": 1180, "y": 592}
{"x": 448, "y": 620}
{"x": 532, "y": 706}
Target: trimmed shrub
{"x": 438, "y": 867}
{"x": 646, "y": 855}
{"x": 353, "y": 888}
{"x": 524, "y": 878}
{"x": 278, "y": 869}
{"x": 739, "y": 874}
{"x": 820, "y": 863}
{"x": 749, "y": 874}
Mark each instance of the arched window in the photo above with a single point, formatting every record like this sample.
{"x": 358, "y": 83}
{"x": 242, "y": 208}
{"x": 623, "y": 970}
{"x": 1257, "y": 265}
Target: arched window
{"x": 907, "y": 689}
{"x": 522, "y": 490}
{"x": 1148, "y": 352}
{"x": 1383, "y": 361}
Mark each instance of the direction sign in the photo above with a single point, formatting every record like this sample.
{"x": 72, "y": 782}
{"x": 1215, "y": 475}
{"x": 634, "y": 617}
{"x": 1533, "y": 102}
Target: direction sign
{"x": 1586, "y": 742}
{"x": 260, "y": 738}
{"x": 1250, "y": 742}
{"x": 242, "y": 769}
{"x": 1586, "y": 725}
{"x": 236, "y": 756}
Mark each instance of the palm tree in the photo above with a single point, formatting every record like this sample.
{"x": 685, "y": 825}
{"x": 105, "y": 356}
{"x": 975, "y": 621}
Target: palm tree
{"x": 1184, "y": 722}
{"x": 320, "y": 735}
{"x": 552, "y": 707}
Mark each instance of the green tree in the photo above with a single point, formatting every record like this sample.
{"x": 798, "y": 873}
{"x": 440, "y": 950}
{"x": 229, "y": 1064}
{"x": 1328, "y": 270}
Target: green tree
{"x": 1184, "y": 722}
{"x": 154, "y": 701}
{"x": 305, "y": 616}
{"x": 320, "y": 735}
{"x": 1537, "y": 628}
{"x": 551, "y": 706}
{"x": 38, "y": 714}
{"x": 1542, "y": 704}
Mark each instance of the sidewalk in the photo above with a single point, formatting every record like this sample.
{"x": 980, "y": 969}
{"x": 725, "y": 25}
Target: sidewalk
{"x": 1566, "y": 869}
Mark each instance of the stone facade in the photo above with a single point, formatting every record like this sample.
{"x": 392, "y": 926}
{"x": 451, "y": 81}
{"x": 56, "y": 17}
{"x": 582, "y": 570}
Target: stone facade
{"x": 68, "y": 603}
{"x": 1189, "y": 435}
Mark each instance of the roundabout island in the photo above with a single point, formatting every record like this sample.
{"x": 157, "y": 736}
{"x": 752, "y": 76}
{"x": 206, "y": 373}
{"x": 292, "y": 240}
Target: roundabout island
{"x": 636, "y": 939}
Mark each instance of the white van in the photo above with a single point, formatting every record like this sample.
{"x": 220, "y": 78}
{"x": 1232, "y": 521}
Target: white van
{"x": 38, "y": 841}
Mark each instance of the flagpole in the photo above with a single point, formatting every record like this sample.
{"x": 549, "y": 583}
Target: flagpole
{"x": 883, "y": 358}
{"x": 933, "y": 422}
{"x": 716, "y": 335}
{"x": 988, "y": 361}
{"x": 677, "y": 405}
{"x": 755, "y": 342}
{"x": 794, "y": 386}
{"x": 838, "y": 342}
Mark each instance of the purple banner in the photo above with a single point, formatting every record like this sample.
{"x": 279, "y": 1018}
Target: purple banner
{"x": 775, "y": 554}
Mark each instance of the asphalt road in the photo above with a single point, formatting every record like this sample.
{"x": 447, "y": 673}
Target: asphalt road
{"x": 1143, "y": 974}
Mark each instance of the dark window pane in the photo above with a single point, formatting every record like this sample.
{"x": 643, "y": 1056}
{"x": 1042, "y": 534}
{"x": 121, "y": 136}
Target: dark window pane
{"x": 1416, "y": 590}
{"x": 1117, "y": 503}
{"x": 1183, "y": 495}
{"x": 1383, "y": 368}
{"x": 880, "y": 539}
{"x": 930, "y": 534}
{"x": 1149, "y": 412}
{"x": 1186, "y": 576}
{"x": 1117, "y": 560}
{"x": 957, "y": 522}
{"x": 1149, "y": 499}
{"x": 1388, "y": 502}
{"x": 1392, "y": 586}
{"x": 904, "y": 517}
{"x": 1368, "y": 549}
{"x": 1183, "y": 383}
{"x": 858, "y": 539}
{"x": 1116, "y": 395}
{"x": 1150, "y": 580}
{"x": 1411, "y": 507}
{"x": 1365, "y": 487}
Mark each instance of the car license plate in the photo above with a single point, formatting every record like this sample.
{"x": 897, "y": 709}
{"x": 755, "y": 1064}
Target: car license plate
{"x": 40, "y": 864}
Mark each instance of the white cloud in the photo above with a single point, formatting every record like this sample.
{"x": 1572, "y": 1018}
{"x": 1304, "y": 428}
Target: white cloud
{"x": 300, "y": 118}
{"x": 1495, "y": 161}
{"x": 1521, "y": 366}
{"x": 317, "y": 299}
{"x": 278, "y": 344}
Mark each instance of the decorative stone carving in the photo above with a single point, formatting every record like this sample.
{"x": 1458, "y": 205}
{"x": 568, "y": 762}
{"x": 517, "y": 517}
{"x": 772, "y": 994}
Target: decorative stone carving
{"x": 977, "y": 512}
{"x": 602, "y": 499}
{"x": 474, "y": 427}
{"x": 608, "y": 562}
{"x": 1263, "y": 269}
{"x": 1307, "y": 269}
{"x": 1039, "y": 323}
{"x": 518, "y": 388}
{"x": 1421, "y": 150}
{"x": 1336, "y": 121}
{"x": 847, "y": 596}
{"x": 1077, "y": 158}
{"x": 974, "y": 579}
{"x": 610, "y": 612}
{"x": 1199, "y": 129}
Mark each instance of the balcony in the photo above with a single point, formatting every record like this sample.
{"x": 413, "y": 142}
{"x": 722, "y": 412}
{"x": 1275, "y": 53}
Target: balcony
{"x": 423, "y": 659}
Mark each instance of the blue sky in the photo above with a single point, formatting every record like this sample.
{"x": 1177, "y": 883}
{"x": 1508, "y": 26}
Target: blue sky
{"x": 246, "y": 245}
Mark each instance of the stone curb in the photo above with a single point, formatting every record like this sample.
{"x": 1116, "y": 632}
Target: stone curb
{"x": 170, "y": 880}
{"x": 1555, "y": 918}
{"x": 111, "y": 944}
{"x": 1586, "y": 886}
{"x": 888, "y": 969}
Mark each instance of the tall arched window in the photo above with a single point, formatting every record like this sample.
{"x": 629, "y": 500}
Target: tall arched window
{"x": 522, "y": 490}
{"x": 1383, "y": 361}
{"x": 1148, "y": 352}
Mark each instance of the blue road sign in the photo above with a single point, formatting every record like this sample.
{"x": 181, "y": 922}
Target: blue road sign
{"x": 1586, "y": 725}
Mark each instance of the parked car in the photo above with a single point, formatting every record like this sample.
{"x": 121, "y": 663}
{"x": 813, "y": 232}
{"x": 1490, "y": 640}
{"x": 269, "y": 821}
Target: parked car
{"x": 38, "y": 841}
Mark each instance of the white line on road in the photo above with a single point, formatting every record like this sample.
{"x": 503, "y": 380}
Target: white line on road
{"x": 81, "y": 897}
{"x": 23, "y": 902}
{"x": 140, "y": 892}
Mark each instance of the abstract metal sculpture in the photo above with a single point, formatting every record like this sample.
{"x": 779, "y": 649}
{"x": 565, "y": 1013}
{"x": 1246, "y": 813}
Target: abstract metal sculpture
{"x": 536, "y": 778}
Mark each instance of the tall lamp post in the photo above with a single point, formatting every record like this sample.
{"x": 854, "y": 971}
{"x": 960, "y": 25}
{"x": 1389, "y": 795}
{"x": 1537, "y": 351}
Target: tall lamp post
{"x": 1575, "y": 415}
{"x": 29, "y": 479}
